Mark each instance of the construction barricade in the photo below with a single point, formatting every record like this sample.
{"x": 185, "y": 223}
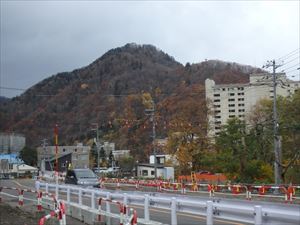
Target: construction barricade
{"x": 58, "y": 213}
{"x": 124, "y": 218}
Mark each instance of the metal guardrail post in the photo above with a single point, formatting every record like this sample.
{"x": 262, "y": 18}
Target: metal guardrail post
{"x": 37, "y": 186}
{"x": 125, "y": 200}
{"x": 80, "y": 202}
{"x": 68, "y": 199}
{"x": 209, "y": 213}
{"x": 68, "y": 195}
{"x": 173, "y": 211}
{"x": 93, "y": 199}
{"x": 80, "y": 196}
{"x": 56, "y": 191}
{"x": 257, "y": 215}
{"x": 146, "y": 208}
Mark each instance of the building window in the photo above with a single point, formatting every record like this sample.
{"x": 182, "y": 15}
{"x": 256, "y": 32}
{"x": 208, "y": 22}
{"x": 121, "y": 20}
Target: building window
{"x": 231, "y": 105}
{"x": 216, "y": 95}
{"x": 217, "y": 106}
{"x": 241, "y": 99}
{"x": 231, "y": 116}
{"x": 231, "y": 110}
{"x": 242, "y": 93}
{"x": 217, "y": 111}
{"x": 241, "y": 110}
{"x": 144, "y": 172}
{"x": 231, "y": 100}
{"x": 231, "y": 94}
{"x": 241, "y": 104}
{"x": 240, "y": 88}
{"x": 10, "y": 166}
{"x": 218, "y": 122}
{"x": 75, "y": 150}
{"x": 217, "y": 100}
{"x": 64, "y": 150}
{"x": 152, "y": 172}
{"x": 217, "y": 128}
{"x": 217, "y": 117}
{"x": 223, "y": 89}
{"x": 241, "y": 116}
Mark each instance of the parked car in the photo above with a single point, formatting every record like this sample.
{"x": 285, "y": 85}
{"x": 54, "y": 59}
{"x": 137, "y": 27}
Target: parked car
{"x": 84, "y": 177}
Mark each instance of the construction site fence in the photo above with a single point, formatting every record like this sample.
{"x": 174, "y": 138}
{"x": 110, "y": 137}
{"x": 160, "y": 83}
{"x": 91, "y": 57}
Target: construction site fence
{"x": 286, "y": 193}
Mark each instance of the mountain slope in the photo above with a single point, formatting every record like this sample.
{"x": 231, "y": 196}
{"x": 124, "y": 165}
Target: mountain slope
{"x": 109, "y": 91}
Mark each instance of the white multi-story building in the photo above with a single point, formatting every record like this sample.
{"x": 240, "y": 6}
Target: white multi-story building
{"x": 236, "y": 100}
{"x": 11, "y": 143}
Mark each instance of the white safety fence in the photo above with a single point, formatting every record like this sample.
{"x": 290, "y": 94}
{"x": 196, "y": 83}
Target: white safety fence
{"x": 86, "y": 209}
{"x": 234, "y": 210}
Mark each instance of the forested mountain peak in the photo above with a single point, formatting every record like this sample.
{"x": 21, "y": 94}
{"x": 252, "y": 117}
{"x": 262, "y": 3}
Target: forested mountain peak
{"x": 108, "y": 91}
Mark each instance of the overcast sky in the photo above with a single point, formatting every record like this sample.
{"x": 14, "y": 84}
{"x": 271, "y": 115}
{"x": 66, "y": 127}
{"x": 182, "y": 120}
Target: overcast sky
{"x": 39, "y": 39}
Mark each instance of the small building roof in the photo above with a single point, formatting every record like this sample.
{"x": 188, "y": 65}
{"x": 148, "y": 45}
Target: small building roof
{"x": 24, "y": 167}
{"x": 150, "y": 165}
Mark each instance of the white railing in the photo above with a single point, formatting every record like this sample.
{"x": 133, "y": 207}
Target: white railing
{"x": 257, "y": 213}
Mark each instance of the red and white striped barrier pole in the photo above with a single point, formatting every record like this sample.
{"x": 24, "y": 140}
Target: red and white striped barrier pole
{"x": 63, "y": 213}
{"x": 21, "y": 197}
{"x": 159, "y": 187}
{"x": 137, "y": 185}
{"x": 248, "y": 194}
{"x": 99, "y": 208}
{"x": 133, "y": 218}
{"x": 39, "y": 201}
{"x": 183, "y": 190}
{"x": 51, "y": 214}
{"x": 122, "y": 208}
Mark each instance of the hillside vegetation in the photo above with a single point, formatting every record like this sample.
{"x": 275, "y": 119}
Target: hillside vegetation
{"x": 110, "y": 92}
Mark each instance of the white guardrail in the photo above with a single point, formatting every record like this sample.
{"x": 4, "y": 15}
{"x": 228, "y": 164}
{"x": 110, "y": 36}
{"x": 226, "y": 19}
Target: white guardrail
{"x": 258, "y": 213}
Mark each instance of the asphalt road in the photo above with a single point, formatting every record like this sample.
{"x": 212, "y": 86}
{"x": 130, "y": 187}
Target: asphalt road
{"x": 161, "y": 215}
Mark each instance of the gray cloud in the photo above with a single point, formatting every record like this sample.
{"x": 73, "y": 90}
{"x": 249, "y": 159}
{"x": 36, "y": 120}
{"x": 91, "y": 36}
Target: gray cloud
{"x": 39, "y": 39}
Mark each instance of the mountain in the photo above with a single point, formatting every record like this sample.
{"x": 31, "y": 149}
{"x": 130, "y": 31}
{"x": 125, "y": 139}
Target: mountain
{"x": 108, "y": 92}
{"x": 3, "y": 99}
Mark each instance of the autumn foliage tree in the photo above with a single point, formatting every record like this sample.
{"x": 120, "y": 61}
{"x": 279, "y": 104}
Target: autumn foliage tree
{"x": 187, "y": 116}
{"x": 289, "y": 132}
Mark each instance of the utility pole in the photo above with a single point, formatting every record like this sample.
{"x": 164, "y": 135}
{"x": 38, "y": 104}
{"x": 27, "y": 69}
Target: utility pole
{"x": 98, "y": 145}
{"x": 277, "y": 144}
{"x": 152, "y": 113}
{"x": 44, "y": 144}
{"x": 56, "y": 151}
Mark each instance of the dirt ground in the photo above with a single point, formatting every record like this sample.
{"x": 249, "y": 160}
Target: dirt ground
{"x": 14, "y": 216}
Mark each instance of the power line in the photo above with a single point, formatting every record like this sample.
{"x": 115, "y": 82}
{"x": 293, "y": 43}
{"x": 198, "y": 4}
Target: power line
{"x": 296, "y": 51}
{"x": 292, "y": 66}
{"x": 12, "y": 88}
{"x": 290, "y": 71}
{"x": 292, "y": 60}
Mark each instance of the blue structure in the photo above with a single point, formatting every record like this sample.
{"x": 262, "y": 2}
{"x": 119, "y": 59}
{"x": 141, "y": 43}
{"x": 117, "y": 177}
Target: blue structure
{"x": 12, "y": 158}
